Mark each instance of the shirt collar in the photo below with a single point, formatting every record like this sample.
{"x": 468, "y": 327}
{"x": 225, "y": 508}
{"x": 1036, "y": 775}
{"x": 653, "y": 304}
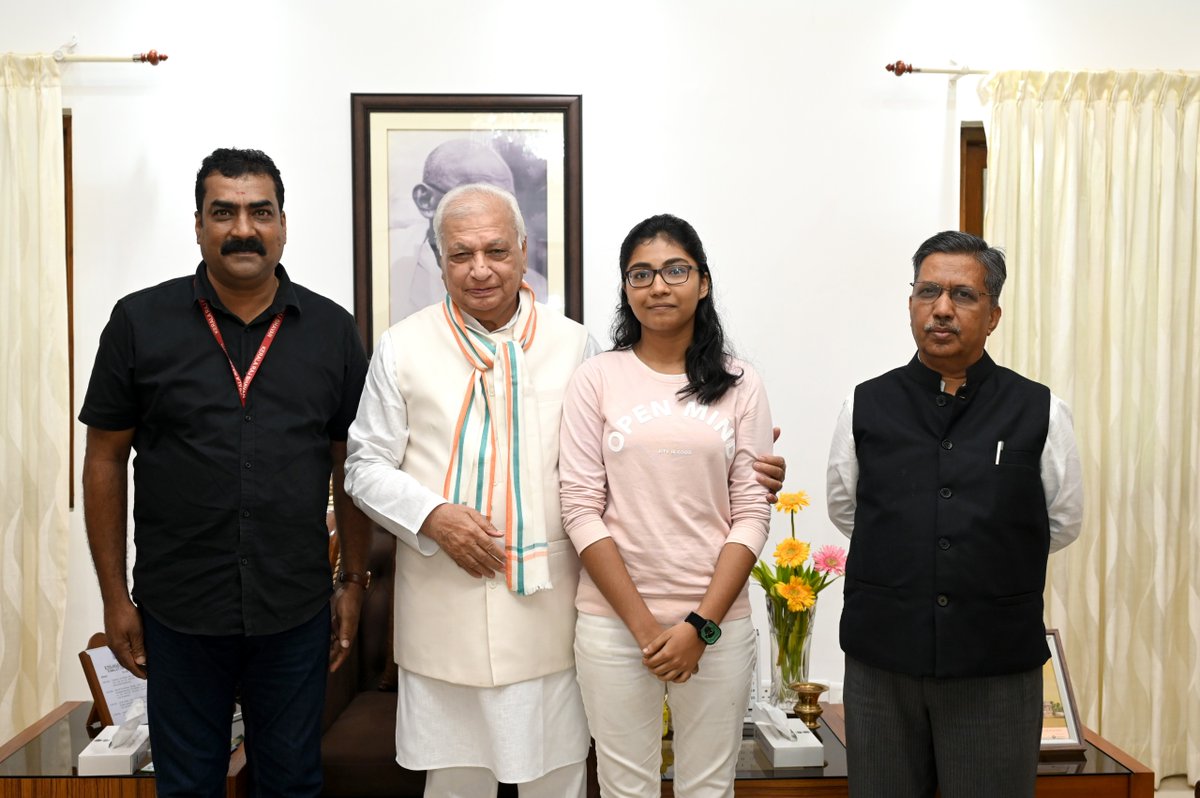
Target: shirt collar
{"x": 285, "y": 294}
{"x": 977, "y": 373}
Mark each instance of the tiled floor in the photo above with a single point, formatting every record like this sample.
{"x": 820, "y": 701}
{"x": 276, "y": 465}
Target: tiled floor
{"x": 1174, "y": 787}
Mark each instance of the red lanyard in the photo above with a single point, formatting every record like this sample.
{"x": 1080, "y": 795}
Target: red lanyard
{"x": 243, "y": 386}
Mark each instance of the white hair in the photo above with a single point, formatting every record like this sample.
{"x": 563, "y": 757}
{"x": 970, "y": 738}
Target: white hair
{"x": 465, "y": 201}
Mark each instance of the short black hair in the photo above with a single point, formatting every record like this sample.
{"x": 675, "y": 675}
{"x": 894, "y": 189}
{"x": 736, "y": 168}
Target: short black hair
{"x": 235, "y": 163}
{"x": 953, "y": 242}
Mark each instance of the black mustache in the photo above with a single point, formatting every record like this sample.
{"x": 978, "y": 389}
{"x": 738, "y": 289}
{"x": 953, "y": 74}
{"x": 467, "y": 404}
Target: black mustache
{"x": 253, "y": 244}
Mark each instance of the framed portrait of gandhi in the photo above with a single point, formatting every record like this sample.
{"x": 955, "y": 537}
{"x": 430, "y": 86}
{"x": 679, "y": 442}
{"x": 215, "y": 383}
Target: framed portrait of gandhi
{"x": 1062, "y": 733}
{"x": 410, "y": 149}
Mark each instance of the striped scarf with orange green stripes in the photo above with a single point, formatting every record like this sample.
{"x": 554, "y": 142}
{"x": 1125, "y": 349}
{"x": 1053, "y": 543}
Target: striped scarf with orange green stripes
{"x": 502, "y": 432}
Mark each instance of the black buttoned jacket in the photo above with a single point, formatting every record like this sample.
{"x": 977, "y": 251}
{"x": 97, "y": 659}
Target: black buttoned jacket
{"x": 947, "y": 561}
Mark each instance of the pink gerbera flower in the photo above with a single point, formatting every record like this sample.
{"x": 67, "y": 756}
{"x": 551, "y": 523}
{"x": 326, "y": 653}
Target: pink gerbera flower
{"x": 830, "y": 559}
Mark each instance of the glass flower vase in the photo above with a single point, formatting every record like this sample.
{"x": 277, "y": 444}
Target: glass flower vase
{"x": 791, "y": 647}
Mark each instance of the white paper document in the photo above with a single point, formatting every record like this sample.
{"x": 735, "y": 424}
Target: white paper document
{"x": 120, "y": 687}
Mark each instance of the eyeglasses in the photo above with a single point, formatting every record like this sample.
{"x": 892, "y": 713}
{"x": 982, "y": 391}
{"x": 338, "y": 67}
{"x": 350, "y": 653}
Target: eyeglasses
{"x": 964, "y": 296}
{"x": 643, "y": 277}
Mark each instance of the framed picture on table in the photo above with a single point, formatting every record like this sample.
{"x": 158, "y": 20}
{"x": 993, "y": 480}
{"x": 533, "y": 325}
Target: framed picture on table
{"x": 1062, "y": 733}
{"x": 408, "y": 150}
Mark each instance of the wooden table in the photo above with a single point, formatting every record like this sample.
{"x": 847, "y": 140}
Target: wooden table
{"x": 1105, "y": 771}
{"x": 42, "y": 759}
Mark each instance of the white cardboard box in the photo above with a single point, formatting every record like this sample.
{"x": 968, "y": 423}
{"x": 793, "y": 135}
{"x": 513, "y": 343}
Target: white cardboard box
{"x": 803, "y": 752}
{"x": 98, "y": 759}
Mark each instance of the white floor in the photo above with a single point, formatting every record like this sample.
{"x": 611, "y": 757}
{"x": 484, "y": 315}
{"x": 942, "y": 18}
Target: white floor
{"x": 1174, "y": 787}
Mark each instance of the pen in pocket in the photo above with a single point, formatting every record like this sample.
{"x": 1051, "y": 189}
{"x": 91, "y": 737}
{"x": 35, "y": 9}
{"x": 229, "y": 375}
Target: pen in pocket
{"x": 999, "y": 449}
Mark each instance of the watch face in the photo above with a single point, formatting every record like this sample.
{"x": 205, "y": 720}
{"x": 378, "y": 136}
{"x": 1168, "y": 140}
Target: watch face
{"x": 710, "y": 632}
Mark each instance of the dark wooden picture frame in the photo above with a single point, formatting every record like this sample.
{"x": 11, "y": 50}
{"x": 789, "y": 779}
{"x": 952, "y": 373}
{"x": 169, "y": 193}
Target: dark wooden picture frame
{"x": 393, "y": 139}
{"x": 1062, "y": 732}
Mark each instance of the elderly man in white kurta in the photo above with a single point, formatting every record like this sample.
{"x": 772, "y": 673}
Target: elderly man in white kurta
{"x": 458, "y": 424}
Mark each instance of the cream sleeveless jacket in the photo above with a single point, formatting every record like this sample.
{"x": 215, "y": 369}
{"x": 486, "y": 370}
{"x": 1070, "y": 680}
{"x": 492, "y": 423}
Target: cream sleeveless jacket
{"x": 450, "y": 625}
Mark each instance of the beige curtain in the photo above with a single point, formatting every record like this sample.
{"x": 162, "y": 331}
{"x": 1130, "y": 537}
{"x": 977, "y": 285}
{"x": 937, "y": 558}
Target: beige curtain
{"x": 1092, "y": 190}
{"x": 34, "y": 402}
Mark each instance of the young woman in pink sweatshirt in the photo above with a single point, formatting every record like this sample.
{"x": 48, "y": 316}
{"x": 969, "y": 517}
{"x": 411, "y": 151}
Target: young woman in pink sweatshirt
{"x": 660, "y": 499}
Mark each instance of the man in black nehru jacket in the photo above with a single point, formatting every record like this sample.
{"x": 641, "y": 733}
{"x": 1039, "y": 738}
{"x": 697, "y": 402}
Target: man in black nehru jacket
{"x": 955, "y": 478}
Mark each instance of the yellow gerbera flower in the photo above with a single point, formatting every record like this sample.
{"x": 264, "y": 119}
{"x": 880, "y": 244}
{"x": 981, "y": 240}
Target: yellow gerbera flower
{"x": 791, "y": 553}
{"x": 792, "y": 502}
{"x": 799, "y": 594}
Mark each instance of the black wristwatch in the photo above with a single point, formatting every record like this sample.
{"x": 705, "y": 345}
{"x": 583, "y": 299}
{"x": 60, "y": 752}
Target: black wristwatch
{"x": 709, "y": 632}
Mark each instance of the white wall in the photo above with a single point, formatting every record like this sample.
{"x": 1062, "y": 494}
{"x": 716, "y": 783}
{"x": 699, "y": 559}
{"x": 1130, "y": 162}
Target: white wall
{"x": 811, "y": 173}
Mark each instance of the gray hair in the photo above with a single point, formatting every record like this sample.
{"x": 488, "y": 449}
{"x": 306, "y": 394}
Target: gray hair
{"x": 952, "y": 242}
{"x": 467, "y": 200}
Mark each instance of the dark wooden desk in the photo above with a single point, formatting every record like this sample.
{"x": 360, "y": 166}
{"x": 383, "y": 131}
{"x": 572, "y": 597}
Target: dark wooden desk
{"x": 1105, "y": 771}
{"x": 42, "y": 760}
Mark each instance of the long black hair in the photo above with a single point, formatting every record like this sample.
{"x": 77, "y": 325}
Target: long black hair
{"x": 706, "y": 359}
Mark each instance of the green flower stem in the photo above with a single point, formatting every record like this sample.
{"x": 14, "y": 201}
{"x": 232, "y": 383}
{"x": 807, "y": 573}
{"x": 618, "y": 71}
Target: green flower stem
{"x": 792, "y": 630}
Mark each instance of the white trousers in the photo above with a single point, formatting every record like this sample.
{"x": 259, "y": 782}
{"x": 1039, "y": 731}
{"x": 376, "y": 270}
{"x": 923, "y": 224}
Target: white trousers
{"x": 566, "y": 782}
{"x": 624, "y": 701}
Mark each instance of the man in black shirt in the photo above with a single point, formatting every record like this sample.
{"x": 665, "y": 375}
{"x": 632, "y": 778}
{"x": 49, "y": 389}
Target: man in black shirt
{"x": 235, "y": 387}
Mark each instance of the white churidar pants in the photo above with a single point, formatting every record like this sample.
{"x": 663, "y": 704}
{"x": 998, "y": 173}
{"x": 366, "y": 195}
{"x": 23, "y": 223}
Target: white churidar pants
{"x": 518, "y": 731}
{"x": 624, "y": 700}
{"x": 566, "y": 782}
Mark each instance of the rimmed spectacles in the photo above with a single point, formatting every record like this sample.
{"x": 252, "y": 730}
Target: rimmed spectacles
{"x": 643, "y": 276}
{"x": 964, "y": 296}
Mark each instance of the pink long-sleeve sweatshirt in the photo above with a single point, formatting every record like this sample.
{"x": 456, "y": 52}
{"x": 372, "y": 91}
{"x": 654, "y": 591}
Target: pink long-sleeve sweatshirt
{"x": 669, "y": 480}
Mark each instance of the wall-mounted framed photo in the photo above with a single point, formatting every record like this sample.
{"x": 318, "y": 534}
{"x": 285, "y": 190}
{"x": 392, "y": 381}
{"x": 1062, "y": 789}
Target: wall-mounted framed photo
{"x": 1062, "y": 733}
{"x": 410, "y": 149}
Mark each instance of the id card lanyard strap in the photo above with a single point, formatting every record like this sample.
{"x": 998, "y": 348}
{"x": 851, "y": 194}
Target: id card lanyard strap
{"x": 243, "y": 385}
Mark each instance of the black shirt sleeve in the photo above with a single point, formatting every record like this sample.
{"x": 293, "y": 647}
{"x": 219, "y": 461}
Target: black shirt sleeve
{"x": 354, "y": 378}
{"x": 111, "y": 403}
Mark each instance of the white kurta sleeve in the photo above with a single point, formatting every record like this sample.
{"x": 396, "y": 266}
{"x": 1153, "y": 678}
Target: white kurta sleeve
{"x": 841, "y": 475}
{"x": 375, "y": 449}
{"x": 1062, "y": 476}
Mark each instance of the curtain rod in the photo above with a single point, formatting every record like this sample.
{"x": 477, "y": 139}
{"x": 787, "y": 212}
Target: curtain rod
{"x": 66, "y": 53}
{"x": 900, "y": 68}
{"x": 152, "y": 58}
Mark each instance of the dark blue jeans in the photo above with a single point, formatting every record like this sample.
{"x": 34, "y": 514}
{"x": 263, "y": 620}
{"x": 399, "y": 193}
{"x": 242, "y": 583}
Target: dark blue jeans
{"x": 193, "y": 681}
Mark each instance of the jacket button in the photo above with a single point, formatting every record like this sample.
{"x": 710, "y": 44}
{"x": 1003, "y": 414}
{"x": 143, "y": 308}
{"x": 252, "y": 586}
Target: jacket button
{"x": 947, "y": 445}
{"x": 942, "y": 600}
{"x": 943, "y": 544}
{"x": 941, "y": 400}
{"x": 945, "y": 493}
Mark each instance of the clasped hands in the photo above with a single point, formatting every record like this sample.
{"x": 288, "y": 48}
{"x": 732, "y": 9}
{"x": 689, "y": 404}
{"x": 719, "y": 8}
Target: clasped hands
{"x": 674, "y": 655}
